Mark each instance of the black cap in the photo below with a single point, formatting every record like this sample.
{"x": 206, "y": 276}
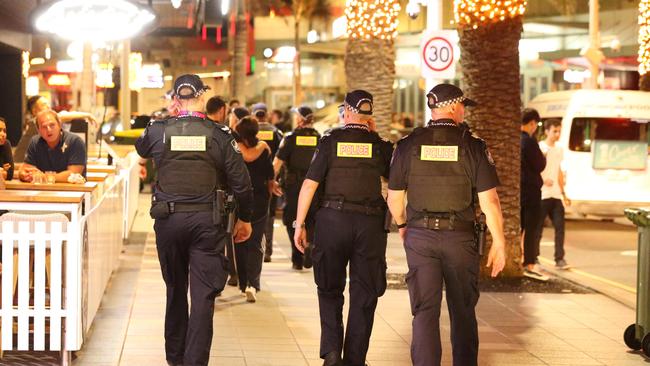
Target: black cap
{"x": 189, "y": 86}
{"x": 443, "y": 95}
{"x": 304, "y": 111}
{"x": 241, "y": 112}
{"x": 359, "y": 101}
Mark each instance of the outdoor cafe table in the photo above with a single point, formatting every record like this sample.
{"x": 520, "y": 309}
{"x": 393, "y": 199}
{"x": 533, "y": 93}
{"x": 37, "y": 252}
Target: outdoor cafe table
{"x": 83, "y": 245}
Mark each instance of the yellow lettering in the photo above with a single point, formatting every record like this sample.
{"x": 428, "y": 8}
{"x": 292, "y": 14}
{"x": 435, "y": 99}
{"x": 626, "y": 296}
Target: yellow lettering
{"x": 306, "y": 140}
{"x": 353, "y": 150}
{"x": 265, "y": 135}
{"x": 439, "y": 153}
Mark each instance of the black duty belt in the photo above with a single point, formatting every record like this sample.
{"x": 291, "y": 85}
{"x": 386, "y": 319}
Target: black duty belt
{"x": 371, "y": 210}
{"x": 439, "y": 223}
{"x": 189, "y": 207}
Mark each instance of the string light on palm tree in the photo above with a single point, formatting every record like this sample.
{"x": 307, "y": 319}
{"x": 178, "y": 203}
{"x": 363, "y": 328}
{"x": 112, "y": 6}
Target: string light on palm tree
{"x": 644, "y": 37}
{"x": 372, "y": 19}
{"x": 474, "y": 13}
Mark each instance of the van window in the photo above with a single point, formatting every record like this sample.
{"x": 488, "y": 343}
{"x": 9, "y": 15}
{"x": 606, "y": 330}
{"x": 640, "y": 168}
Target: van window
{"x": 586, "y": 130}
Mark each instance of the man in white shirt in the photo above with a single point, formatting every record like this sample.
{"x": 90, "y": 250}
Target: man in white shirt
{"x": 553, "y": 197}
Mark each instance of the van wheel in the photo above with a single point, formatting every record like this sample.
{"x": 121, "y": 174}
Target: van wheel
{"x": 629, "y": 337}
{"x": 645, "y": 345}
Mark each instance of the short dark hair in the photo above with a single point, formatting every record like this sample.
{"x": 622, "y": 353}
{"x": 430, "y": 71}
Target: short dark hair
{"x": 31, "y": 102}
{"x": 278, "y": 113}
{"x": 233, "y": 101}
{"x": 214, "y": 104}
{"x": 529, "y": 114}
{"x": 3, "y": 120}
{"x": 247, "y": 129}
{"x": 552, "y": 122}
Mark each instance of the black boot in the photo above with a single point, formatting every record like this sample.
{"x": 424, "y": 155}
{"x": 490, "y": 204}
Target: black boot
{"x": 332, "y": 359}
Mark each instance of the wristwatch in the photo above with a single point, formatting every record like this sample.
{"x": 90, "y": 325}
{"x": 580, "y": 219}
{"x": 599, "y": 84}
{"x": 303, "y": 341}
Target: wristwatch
{"x": 302, "y": 226}
{"x": 399, "y": 226}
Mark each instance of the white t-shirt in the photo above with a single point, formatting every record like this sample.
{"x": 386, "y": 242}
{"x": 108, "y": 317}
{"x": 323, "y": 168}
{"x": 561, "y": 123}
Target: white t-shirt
{"x": 554, "y": 156}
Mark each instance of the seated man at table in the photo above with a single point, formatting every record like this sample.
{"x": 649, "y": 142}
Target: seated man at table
{"x": 54, "y": 150}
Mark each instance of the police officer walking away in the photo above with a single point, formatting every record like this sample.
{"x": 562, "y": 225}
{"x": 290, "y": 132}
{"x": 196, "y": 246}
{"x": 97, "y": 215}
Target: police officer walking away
{"x": 349, "y": 162}
{"x": 441, "y": 167}
{"x": 272, "y": 136}
{"x": 189, "y": 226}
{"x": 295, "y": 153}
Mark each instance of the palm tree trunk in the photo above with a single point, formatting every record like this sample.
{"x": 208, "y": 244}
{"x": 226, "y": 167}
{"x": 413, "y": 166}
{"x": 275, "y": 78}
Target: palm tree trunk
{"x": 490, "y": 63}
{"x": 240, "y": 49}
{"x": 644, "y": 82}
{"x": 370, "y": 65}
{"x": 297, "y": 87}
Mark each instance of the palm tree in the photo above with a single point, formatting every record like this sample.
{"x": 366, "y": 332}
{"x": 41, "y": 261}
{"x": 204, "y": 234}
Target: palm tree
{"x": 490, "y": 65}
{"x": 238, "y": 46}
{"x": 370, "y": 54}
{"x": 644, "y": 45}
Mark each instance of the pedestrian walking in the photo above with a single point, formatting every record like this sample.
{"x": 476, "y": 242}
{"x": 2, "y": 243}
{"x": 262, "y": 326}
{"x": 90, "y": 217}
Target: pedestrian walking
{"x": 533, "y": 163}
{"x": 349, "y": 162}
{"x": 189, "y": 225}
{"x": 440, "y": 168}
{"x": 295, "y": 154}
{"x": 553, "y": 197}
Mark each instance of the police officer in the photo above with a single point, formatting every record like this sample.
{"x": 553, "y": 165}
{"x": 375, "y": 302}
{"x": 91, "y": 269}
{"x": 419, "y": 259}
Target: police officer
{"x": 441, "y": 167}
{"x": 272, "y": 136}
{"x": 190, "y": 235}
{"x": 349, "y": 162}
{"x": 295, "y": 154}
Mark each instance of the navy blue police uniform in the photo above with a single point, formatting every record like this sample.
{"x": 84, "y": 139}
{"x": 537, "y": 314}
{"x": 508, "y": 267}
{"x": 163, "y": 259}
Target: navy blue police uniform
{"x": 272, "y": 136}
{"x": 442, "y": 166}
{"x": 350, "y": 162}
{"x": 195, "y": 158}
{"x": 296, "y": 151}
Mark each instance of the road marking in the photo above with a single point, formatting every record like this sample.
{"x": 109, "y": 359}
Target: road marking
{"x": 592, "y": 276}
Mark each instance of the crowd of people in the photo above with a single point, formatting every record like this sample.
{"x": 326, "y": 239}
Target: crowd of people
{"x": 334, "y": 212}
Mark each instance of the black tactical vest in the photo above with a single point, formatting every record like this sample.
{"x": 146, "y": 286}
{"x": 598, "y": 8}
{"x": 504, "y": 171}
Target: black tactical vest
{"x": 186, "y": 167}
{"x": 440, "y": 178}
{"x": 355, "y": 167}
{"x": 268, "y": 133}
{"x": 305, "y": 141}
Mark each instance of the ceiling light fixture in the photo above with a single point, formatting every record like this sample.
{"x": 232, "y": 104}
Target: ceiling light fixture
{"x": 93, "y": 20}
{"x": 225, "y": 7}
{"x": 177, "y": 3}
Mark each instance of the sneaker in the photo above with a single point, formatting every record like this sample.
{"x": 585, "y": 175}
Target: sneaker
{"x": 250, "y": 294}
{"x": 267, "y": 258}
{"x": 562, "y": 264}
{"x": 307, "y": 258}
{"x": 232, "y": 281}
{"x": 531, "y": 273}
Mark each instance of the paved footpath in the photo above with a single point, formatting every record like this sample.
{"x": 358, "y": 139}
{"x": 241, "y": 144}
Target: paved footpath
{"x": 282, "y": 328}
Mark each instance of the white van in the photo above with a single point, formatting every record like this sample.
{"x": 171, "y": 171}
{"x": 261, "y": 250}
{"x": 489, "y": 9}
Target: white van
{"x": 605, "y": 136}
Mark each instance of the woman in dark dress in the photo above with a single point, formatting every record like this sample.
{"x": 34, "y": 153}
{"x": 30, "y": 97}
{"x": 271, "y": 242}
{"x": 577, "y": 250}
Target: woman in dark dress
{"x": 250, "y": 254}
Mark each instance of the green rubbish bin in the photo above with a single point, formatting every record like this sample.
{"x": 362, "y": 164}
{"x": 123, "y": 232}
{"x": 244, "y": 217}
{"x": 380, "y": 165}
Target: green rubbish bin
{"x": 637, "y": 335}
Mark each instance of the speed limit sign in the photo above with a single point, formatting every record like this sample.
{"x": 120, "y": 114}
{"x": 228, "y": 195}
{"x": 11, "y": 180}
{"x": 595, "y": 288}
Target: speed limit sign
{"x": 439, "y": 54}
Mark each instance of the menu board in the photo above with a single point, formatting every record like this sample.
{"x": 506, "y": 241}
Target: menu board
{"x": 609, "y": 154}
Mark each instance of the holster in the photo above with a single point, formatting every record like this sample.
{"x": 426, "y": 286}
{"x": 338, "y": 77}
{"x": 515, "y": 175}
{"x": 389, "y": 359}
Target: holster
{"x": 480, "y": 232}
{"x": 219, "y": 207}
{"x": 388, "y": 221}
{"x": 159, "y": 210}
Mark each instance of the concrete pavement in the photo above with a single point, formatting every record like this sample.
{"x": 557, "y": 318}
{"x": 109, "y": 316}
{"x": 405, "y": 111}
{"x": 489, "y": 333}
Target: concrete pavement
{"x": 282, "y": 328}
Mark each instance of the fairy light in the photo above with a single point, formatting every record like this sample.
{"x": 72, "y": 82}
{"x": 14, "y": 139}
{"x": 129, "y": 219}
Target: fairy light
{"x": 372, "y": 19}
{"x": 474, "y": 13}
{"x": 644, "y": 36}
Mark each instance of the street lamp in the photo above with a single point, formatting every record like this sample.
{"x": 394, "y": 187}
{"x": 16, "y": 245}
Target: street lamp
{"x": 93, "y": 20}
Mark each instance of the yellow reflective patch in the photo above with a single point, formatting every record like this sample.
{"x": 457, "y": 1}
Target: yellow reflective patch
{"x": 439, "y": 153}
{"x": 306, "y": 140}
{"x": 265, "y": 135}
{"x": 353, "y": 150}
{"x": 188, "y": 143}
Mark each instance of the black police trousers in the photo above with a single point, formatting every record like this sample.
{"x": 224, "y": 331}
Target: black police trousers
{"x": 360, "y": 240}
{"x": 190, "y": 247}
{"x": 433, "y": 257}
{"x": 268, "y": 229}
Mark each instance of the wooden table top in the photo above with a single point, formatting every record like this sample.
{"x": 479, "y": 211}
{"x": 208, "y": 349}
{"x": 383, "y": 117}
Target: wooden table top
{"x": 62, "y": 187}
{"x": 99, "y": 168}
{"x": 96, "y": 176}
{"x": 41, "y": 196}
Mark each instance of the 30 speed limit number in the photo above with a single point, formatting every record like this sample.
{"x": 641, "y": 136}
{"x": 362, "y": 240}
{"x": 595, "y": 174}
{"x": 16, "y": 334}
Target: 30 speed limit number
{"x": 438, "y": 54}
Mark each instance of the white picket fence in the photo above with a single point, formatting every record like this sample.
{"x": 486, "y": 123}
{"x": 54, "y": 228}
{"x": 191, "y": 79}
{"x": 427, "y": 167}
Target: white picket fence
{"x": 39, "y": 254}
